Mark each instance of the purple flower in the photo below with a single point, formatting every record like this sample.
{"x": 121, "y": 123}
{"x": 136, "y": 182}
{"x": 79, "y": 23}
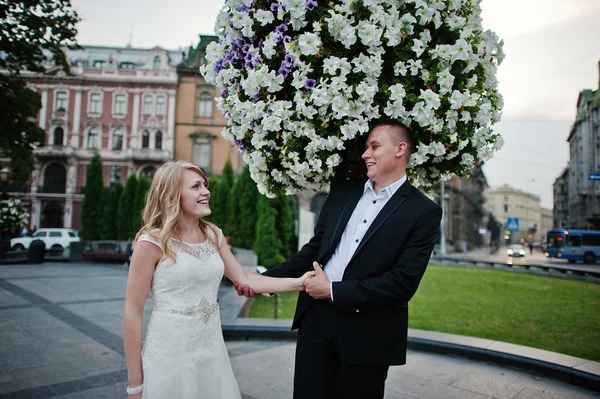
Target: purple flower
{"x": 310, "y": 84}
{"x": 283, "y": 71}
{"x": 274, "y": 7}
{"x": 282, "y": 28}
{"x": 278, "y": 37}
{"x": 311, "y": 4}
{"x": 287, "y": 39}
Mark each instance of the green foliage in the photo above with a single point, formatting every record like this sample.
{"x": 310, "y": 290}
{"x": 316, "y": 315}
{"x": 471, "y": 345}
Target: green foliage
{"x": 284, "y": 223}
{"x": 28, "y": 29}
{"x": 232, "y": 223}
{"x": 139, "y": 202}
{"x": 220, "y": 198}
{"x": 92, "y": 195}
{"x": 267, "y": 244}
{"x": 12, "y": 216}
{"x": 494, "y": 227}
{"x": 247, "y": 212}
{"x": 125, "y": 209}
{"x": 108, "y": 231}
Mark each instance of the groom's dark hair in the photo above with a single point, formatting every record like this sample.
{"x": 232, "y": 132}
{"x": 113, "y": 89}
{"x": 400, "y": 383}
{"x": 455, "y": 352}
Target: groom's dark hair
{"x": 400, "y": 133}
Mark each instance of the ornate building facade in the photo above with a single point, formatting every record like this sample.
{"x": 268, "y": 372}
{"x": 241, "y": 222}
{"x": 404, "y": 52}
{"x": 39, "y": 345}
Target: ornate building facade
{"x": 198, "y": 122}
{"x": 117, "y": 101}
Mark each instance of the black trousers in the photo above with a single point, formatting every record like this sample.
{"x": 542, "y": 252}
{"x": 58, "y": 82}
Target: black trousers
{"x": 319, "y": 371}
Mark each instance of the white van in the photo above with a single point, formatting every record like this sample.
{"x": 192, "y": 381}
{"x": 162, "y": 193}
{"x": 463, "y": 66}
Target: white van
{"x": 53, "y": 238}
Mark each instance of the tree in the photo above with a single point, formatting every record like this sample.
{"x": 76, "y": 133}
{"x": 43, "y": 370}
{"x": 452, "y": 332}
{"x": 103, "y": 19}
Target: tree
{"x": 247, "y": 212}
{"x": 220, "y": 198}
{"x": 92, "y": 195}
{"x": 30, "y": 30}
{"x": 267, "y": 244}
{"x": 232, "y": 223}
{"x": 284, "y": 223}
{"x": 125, "y": 208}
{"x": 213, "y": 183}
{"x": 109, "y": 214}
{"x": 139, "y": 202}
{"x": 494, "y": 227}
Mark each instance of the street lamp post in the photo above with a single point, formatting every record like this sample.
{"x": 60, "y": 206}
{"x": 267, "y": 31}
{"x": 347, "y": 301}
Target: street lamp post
{"x": 4, "y": 173}
{"x": 443, "y": 250}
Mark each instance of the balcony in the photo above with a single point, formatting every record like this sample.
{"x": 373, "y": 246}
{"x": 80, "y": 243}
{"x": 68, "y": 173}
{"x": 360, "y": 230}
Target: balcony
{"x": 149, "y": 154}
{"x": 52, "y": 189}
{"x": 54, "y": 151}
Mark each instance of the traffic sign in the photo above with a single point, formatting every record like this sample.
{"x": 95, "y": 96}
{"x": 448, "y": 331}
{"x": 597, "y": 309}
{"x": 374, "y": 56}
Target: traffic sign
{"x": 512, "y": 224}
{"x": 594, "y": 176}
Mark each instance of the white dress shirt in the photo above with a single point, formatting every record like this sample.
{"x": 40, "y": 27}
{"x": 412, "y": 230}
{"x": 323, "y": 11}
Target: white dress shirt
{"x": 367, "y": 209}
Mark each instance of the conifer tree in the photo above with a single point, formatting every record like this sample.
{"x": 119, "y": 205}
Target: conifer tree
{"x": 139, "y": 202}
{"x": 247, "y": 212}
{"x": 92, "y": 193}
{"x": 125, "y": 209}
{"x": 267, "y": 244}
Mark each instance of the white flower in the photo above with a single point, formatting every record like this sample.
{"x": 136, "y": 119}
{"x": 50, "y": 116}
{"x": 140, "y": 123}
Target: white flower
{"x": 309, "y": 43}
{"x": 400, "y": 69}
{"x": 418, "y": 47}
{"x": 467, "y": 159}
{"x": 264, "y": 17}
{"x": 415, "y": 66}
{"x": 369, "y": 34}
{"x": 432, "y": 100}
{"x": 461, "y": 50}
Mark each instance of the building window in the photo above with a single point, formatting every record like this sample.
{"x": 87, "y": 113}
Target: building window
{"x": 205, "y": 105}
{"x": 98, "y": 64}
{"x": 115, "y": 174}
{"x": 59, "y": 135}
{"x": 160, "y": 105}
{"x": 145, "y": 139}
{"x": 202, "y": 151}
{"x": 148, "y": 172}
{"x": 95, "y": 103}
{"x": 147, "y": 105}
{"x": 156, "y": 63}
{"x": 61, "y": 101}
{"x": 92, "y": 140}
{"x": 119, "y": 106}
{"x": 505, "y": 208}
{"x": 127, "y": 65}
{"x": 158, "y": 140}
{"x": 117, "y": 142}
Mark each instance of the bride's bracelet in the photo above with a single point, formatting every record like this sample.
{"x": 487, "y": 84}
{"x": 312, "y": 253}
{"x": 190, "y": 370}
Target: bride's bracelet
{"x": 135, "y": 390}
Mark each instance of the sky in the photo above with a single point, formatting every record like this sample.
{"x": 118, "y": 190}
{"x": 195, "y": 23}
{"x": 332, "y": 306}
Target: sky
{"x": 552, "y": 53}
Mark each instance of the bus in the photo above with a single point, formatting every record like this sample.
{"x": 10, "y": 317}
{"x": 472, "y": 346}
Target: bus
{"x": 573, "y": 245}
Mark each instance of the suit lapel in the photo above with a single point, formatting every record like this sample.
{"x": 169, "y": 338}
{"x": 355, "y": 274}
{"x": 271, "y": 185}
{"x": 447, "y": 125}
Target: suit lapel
{"x": 389, "y": 208}
{"x": 354, "y": 195}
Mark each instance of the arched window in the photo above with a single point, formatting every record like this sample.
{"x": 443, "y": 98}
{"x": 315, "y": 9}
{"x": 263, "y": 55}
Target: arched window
{"x": 156, "y": 63}
{"x": 55, "y": 179}
{"x": 148, "y": 172}
{"x": 92, "y": 140}
{"x": 205, "y": 105}
{"x": 145, "y": 139}
{"x": 158, "y": 140}
{"x": 61, "y": 101}
{"x": 59, "y": 135}
{"x": 117, "y": 141}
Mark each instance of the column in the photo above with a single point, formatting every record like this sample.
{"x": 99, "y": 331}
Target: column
{"x": 170, "y": 136}
{"x": 36, "y": 208}
{"x": 68, "y": 217}
{"x": 44, "y": 108}
{"x": 135, "y": 121}
{"x": 76, "y": 119}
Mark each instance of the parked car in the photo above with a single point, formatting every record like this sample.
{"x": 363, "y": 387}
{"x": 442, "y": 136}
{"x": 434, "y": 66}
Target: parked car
{"x": 56, "y": 238}
{"x": 515, "y": 250}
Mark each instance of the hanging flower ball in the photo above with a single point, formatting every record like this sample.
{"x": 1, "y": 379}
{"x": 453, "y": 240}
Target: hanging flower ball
{"x": 304, "y": 81}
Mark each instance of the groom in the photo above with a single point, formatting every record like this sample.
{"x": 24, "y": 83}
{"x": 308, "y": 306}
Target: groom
{"x": 374, "y": 239}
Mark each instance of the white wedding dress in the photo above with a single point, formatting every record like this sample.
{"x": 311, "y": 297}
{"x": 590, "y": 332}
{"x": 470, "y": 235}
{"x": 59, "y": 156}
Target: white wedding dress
{"x": 184, "y": 355}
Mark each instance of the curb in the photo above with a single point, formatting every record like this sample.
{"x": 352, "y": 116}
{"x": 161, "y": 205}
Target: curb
{"x": 566, "y": 368}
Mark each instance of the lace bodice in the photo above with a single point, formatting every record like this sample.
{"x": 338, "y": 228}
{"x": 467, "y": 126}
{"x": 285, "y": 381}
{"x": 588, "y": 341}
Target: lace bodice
{"x": 185, "y": 316}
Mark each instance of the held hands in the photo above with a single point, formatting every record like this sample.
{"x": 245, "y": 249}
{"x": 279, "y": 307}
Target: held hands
{"x": 318, "y": 286}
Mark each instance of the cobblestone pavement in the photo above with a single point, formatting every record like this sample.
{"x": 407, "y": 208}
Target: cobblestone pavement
{"x": 60, "y": 337}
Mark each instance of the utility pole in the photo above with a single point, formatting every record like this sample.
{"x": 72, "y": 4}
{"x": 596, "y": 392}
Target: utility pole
{"x": 443, "y": 250}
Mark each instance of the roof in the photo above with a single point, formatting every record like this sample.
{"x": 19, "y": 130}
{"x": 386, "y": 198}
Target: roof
{"x": 139, "y": 56}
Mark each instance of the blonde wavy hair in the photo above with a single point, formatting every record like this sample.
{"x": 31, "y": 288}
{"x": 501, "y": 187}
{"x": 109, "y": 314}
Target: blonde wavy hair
{"x": 162, "y": 213}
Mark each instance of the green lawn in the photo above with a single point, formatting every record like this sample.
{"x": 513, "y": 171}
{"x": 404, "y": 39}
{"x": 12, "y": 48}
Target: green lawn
{"x": 542, "y": 312}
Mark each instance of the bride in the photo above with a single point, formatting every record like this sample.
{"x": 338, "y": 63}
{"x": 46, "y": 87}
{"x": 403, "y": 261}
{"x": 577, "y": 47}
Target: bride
{"x": 181, "y": 260}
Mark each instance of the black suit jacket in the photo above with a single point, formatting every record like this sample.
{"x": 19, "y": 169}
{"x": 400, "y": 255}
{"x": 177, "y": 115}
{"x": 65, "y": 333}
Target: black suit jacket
{"x": 382, "y": 276}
